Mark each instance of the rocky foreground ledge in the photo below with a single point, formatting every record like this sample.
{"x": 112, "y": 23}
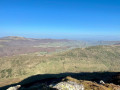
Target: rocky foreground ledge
{"x": 69, "y": 83}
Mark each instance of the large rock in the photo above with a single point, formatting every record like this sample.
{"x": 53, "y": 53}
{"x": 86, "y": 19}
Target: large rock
{"x": 14, "y": 87}
{"x": 89, "y": 85}
{"x": 69, "y": 86}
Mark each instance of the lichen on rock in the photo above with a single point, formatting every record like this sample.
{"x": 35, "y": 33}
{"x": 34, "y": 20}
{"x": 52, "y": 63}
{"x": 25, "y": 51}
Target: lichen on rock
{"x": 69, "y": 86}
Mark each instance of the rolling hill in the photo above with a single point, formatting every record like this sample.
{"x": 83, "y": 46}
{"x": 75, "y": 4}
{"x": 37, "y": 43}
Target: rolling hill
{"x": 91, "y": 59}
{"x": 13, "y": 45}
{"x": 23, "y": 57}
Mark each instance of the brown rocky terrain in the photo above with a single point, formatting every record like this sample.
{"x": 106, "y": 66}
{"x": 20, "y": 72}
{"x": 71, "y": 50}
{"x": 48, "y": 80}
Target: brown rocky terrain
{"x": 72, "y": 82}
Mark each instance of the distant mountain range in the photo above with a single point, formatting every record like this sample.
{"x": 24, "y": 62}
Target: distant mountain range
{"x": 13, "y": 45}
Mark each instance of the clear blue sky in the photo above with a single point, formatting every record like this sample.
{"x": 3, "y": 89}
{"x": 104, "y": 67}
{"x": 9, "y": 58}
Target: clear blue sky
{"x": 72, "y": 19}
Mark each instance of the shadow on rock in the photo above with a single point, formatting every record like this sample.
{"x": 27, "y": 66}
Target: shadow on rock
{"x": 43, "y": 80}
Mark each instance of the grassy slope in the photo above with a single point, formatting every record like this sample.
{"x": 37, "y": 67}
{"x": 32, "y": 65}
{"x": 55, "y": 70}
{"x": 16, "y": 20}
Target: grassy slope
{"x": 96, "y": 58}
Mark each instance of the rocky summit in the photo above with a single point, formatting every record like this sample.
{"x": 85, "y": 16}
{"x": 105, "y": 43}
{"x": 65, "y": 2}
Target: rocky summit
{"x": 69, "y": 86}
{"x": 68, "y": 83}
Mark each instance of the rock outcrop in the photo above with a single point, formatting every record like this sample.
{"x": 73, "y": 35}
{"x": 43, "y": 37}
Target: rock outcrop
{"x": 68, "y": 83}
{"x": 14, "y": 87}
{"x": 68, "y": 86}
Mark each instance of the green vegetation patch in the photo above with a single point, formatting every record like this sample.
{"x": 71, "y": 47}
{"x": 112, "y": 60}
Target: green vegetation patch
{"x": 91, "y": 59}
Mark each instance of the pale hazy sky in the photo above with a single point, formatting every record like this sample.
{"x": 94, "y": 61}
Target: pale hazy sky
{"x": 73, "y": 19}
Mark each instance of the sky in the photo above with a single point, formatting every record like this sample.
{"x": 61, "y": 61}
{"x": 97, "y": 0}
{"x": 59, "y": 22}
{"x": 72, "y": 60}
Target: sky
{"x": 64, "y": 19}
